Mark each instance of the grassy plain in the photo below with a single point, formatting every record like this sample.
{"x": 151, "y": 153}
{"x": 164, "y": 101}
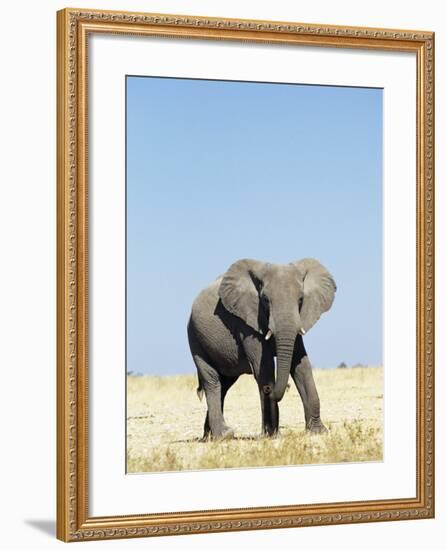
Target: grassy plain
{"x": 165, "y": 423}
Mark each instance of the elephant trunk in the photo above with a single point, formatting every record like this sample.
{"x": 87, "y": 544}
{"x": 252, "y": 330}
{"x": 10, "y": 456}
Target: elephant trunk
{"x": 285, "y": 340}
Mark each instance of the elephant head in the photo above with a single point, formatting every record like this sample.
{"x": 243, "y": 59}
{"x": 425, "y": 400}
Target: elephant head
{"x": 284, "y": 300}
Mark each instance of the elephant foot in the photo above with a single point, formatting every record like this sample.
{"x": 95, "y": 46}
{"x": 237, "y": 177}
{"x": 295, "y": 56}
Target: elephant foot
{"x": 219, "y": 435}
{"x": 226, "y": 433}
{"x": 206, "y": 437}
{"x": 269, "y": 431}
{"x": 315, "y": 426}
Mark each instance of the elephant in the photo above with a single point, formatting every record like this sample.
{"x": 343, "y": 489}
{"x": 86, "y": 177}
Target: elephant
{"x": 254, "y": 312}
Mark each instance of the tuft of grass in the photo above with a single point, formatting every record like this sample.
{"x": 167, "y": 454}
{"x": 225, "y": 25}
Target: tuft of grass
{"x": 165, "y": 424}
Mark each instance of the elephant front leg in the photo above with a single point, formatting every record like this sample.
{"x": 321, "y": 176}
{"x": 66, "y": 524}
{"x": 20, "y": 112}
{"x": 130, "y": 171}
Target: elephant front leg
{"x": 261, "y": 360}
{"x": 269, "y": 405}
{"x": 270, "y": 410}
{"x": 302, "y": 375}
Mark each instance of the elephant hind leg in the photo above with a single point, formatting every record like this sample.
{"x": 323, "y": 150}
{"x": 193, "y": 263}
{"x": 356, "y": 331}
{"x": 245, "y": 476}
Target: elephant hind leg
{"x": 215, "y": 387}
{"x": 226, "y": 383}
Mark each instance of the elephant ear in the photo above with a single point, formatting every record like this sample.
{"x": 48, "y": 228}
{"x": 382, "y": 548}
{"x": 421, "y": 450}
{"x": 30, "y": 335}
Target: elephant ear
{"x": 319, "y": 290}
{"x": 239, "y": 293}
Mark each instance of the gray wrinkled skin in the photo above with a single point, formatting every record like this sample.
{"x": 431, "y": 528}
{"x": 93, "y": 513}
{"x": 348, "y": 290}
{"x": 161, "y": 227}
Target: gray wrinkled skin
{"x": 254, "y": 312}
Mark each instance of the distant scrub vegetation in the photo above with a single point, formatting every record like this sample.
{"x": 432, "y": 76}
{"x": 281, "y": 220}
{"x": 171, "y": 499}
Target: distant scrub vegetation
{"x": 344, "y": 365}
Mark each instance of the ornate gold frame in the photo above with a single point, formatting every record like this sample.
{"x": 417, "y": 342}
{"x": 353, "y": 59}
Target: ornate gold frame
{"x": 73, "y": 520}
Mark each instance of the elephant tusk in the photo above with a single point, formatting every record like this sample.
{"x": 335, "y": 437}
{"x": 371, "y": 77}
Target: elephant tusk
{"x": 302, "y": 331}
{"x": 268, "y": 334}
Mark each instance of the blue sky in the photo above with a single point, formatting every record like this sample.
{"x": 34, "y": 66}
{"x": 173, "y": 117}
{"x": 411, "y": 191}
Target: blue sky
{"x": 218, "y": 171}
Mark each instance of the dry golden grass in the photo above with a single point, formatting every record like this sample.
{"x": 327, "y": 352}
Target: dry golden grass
{"x": 165, "y": 423}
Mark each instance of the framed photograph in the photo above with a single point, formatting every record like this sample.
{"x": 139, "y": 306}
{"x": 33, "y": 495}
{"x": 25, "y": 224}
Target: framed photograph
{"x": 245, "y": 274}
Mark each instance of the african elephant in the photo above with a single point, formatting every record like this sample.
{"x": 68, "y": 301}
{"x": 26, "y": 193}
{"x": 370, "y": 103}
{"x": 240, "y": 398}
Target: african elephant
{"x": 254, "y": 312}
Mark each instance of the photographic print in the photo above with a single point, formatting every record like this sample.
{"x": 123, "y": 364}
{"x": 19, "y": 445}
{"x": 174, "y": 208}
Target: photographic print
{"x": 254, "y": 261}
{"x": 245, "y": 274}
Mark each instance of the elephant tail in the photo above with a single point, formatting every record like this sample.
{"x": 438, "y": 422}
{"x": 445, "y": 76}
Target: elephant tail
{"x": 200, "y": 391}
